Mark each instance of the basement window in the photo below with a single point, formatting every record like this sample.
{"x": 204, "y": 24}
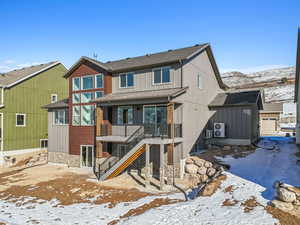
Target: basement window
{"x": 20, "y": 120}
{"x": 43, "y": 143}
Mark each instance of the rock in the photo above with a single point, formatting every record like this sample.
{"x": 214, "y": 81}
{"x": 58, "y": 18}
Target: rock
{"x": 203, "y": 178}
{"x": 193, "y": 180}
{"x": 285, "y": 195}
{"x": 208, "y": 164}
{"x": 202, "y": 170}
{"x": 211, "y": 171}
{"x": 199, "y": 162}
{"x": 284, "y": 206}
{"x": 227, "y": 147}
{"x": 296, "y": 190}
{"x": 191, "y": 168}
{"x": 189, "y": 161}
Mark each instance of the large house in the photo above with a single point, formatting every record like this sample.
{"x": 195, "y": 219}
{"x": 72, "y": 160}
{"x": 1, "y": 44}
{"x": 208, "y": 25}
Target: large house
{"x": 149, "y": 112}
{"x": 23, "y": 124}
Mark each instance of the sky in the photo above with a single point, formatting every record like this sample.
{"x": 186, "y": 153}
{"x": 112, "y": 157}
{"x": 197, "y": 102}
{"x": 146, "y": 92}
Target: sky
{"x": 245, "y": 35}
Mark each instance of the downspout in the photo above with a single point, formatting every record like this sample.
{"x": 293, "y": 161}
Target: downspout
{"x": 181, "y": 72}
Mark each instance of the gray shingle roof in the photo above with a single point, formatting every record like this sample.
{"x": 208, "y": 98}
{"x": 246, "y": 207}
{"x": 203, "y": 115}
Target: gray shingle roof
{"x": 14, "y": 76}
{"x": 141, "y": 95}
{"x": 273, "y": 107}
{"x": 59, "y": 104}
{"x": 243, "y": 98}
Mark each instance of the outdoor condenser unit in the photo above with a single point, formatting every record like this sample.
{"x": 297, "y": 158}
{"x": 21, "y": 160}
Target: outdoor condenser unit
{"x": 219, "y": 130}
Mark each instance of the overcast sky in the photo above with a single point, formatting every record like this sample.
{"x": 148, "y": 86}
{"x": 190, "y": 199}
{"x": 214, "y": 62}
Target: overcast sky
{"x": 245, "y": 35}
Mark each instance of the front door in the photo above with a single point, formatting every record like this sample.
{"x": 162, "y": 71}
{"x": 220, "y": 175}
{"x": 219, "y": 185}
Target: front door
{"x": 87, "y": 156}
{"x": 155, "y": 119}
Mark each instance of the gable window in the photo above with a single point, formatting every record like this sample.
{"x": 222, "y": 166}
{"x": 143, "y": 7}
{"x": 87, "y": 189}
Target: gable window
{"x": 61, "y": 117}
{"x": 87, "y": 115}
{"x": 87, "y": 82}
{"x": 20, "y": 120}
{"x": 126, "y": 80}
{"x": 76, "y": 98}
{"x": 76, "y": 115}
{"x": 76, "y": 84}
{"x": 87, "y": 97}
{"x": 125, "y": 115}
{"x": 161, "y": 75}
{"x": 43, "y": 143}
{"x": 99, "y": 81}
{"x": 200, "y": 81}
{"x": 99, "y": 94}
{"x": 53, "y": 98}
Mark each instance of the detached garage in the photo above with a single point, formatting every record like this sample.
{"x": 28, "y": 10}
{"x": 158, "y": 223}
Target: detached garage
{"x": 236, "y": 118}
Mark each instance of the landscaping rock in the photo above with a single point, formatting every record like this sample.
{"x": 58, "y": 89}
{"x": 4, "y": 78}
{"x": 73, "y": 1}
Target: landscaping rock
{"x": 208, "y": 164}
{"x": 227, "y": 147}
{"x": 191, "y": 168}
{"x": 211, "y": 171}
{"x": 284, "y": 206}
{"x": 203, "y": 178}
{"x": 202, "y": 170}
{"x": 193, "y": 180}
{"x": 189, "y": 161}
{"x": 199, "y": 162}
{"x": 285, "y": 195}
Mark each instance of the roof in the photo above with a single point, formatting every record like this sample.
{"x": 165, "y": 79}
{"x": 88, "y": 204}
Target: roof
{"x": 273, "y": 107}
{"x": 14, "y": 77}
{"x": 244, "y": 98}
{"x": 59, "y": 104}
{"x": 297, "y": 67}
{"x": 141, "y": 95}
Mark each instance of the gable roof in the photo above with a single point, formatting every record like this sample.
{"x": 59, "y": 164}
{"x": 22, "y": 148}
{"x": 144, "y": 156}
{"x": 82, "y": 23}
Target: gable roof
{"x": 244, "y": 98}
{"x": 14, "y": 77}
{"x": 297, "y": 67}
{"x": 59, "y": 104}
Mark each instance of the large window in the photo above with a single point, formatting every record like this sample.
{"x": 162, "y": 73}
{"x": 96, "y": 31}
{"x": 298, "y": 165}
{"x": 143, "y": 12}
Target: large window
{"x": 161, "y": 75}
{"x": 87, "y": 82}
{"x": 76, "y": 84}
{"x": 99, "y": 81}
{"x": 76, "y": 116}
{"x": 20, "y": 120}
{"x": 87, "y": 115}
{"x": 87, "y": 97}
{"x": 125, "y": 115}
{"x": 61, "y": 117}
{"x": 76, "y": 98}
{"x": 126, "y": 80}
{"x": 99, "y": 94}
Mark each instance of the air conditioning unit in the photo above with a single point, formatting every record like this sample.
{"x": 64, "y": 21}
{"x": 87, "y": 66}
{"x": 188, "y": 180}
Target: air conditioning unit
{"x": 219, "y": 130}
{"x": 208, "y": 134}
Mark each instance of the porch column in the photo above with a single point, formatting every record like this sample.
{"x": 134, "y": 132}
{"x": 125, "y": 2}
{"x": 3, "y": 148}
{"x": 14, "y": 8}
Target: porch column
{"x": 99, "y": 149}
{"x": 147, "y": 176}
{"x": 161, "y": 169}
{"x": 170, "y": 147}
{"x": 99, "y": 122}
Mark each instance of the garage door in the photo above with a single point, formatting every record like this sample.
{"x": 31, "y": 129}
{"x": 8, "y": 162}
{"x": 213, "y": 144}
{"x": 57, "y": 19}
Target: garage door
{"x": 268, "y": 126}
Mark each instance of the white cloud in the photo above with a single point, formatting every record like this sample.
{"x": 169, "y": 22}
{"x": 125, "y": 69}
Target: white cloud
{"x": 254, "y": 69}
{"x": 8, "y": 61}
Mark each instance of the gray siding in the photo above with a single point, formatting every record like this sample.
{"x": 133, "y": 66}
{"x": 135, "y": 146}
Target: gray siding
{"x": 143, "y": 80}
{"x": 58, "y": 136}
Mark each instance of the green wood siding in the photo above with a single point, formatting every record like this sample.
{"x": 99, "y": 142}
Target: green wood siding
{"x": 28, "y": 97}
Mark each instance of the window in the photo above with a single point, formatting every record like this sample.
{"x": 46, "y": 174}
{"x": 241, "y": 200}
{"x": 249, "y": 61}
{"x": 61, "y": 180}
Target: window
{"x": 87, "y": 97}
{"x": 76, "y": 84}
{"x": 76, "y": 98}
{"x": 126, "y": 80}
{"x": 87, "y": 82}
{"x": 53, "y": 98}
{"x": 125, "y": 115}
{"x": 43, "y": 143}
{"x": 199, "y": 81}
{"x": 161, "y": 75}
{"x": 61, "y": 117}
{"x": 20, "y": 120}
{"x": 99, "y": 94}
{"x": 87, "y": 115}
{"x": 76, "y": 116}
{"x": 99, "y": 81}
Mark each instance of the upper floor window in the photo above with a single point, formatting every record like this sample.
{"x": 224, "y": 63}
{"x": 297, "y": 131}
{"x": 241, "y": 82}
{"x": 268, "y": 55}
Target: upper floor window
{"x": 76, "y": 115}
{"x": 87, "y": 97}
{"x": 61, "y": 117}
{"x": 125, "y": 115}
{"x": 53, "y": 98}
{"x": 87, "y": 115}
{"x": 75, "y": 98}
{"x": 76, "y": 84}
{"x": 99, "y": 81}
{"x": 20, "y": 120}
{"x": 200, "y": 81}
{"x": 99, "y": 94}
{"x": 161, "y": 75}
{"x": 87, "y": 82}
{"x": 126, "y": 80}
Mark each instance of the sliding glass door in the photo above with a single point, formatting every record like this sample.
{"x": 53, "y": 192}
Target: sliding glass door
{"x": 155, "y": 120}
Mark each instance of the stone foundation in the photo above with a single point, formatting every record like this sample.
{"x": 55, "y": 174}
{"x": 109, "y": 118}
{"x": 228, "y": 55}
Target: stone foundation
{"x": 58, "y": 157}
{"x": 74, "y": 161}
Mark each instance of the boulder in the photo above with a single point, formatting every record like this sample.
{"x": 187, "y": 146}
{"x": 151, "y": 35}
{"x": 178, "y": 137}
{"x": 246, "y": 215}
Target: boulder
{"x": 189, "y": 161}
{"x": 202, "y": 170}
{"x": 191, "y": 168}
{"x": 193, "y": 180}
{"x": 211, "y": 171}
{"x": 296, "y": 190}
{"x": 203, "y": 178}
{"x": 199, "y": 162}
{"x": 284, "y": 206}
{"x": 208, "y": 164}
{"x": 285, "y": 195}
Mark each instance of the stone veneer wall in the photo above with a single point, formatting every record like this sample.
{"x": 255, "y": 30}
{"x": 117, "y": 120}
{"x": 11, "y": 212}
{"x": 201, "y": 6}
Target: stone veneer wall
{"x": 74, "y": 161}
{"x": 58, "y": 157}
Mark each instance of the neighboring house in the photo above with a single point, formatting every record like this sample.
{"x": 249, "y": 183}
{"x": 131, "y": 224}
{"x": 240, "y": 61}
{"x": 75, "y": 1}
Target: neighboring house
{"x": 297, "y": 91}
{"x": 23, "y": 93}
{"x": 270, "y": 119}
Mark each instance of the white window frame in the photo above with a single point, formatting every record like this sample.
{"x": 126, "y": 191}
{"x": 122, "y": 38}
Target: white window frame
{"x": 73, "y": 98}
{"x": 161, "y": 75}
{"x": 56, "y": 98}
{"x": 21, "y": 114}
{"x": 200, "y": 81}
{"x": 95, "y": 79}
{"x": 126, "y": 80}
{"x": 72, "y": 119}
{"x": 99, "y": 91}
{"x": 87, "y": 92}
{"x": 93, "y": 116}
{"x": 73, "y": 81}
{"x": 86, "y": 76}
{"x": 93, "y": 155}
{"x": 60, "y": 124}
{"x": 127, "y": 107}
{"x": 45, "y": 139}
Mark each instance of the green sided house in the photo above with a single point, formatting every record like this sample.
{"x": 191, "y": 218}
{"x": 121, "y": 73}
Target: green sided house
{"x": 23, "y": 123}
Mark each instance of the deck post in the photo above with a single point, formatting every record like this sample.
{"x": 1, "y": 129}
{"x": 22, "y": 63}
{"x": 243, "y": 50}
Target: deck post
{"x": 147, "y": 176}
{"x": 161, "y": 169}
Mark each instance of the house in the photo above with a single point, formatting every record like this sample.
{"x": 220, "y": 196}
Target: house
{"x": 297, "y": 92}
{"x": 23, "y": 92}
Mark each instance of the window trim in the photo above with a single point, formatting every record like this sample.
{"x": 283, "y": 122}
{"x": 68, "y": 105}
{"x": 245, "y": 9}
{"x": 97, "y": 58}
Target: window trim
{"x": 52, "y": 95}
{"x": 73, "y": 81}
{"x": 21, "y": 114}
{"x": 44, "y": 139}
{"x": 161, "y": 75}
{"x": 95, "y": 79}
{"x": 125, "y": 106}
{"x": 133, "y": 73}
{"x": 93, "y": 86}
{"x": 66, "y": 115}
